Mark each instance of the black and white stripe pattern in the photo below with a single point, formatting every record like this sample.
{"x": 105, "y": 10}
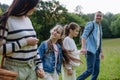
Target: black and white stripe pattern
{"x": 15, "y": 45}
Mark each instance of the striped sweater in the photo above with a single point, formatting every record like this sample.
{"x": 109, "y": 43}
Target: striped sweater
{"x": 15, "y": 45}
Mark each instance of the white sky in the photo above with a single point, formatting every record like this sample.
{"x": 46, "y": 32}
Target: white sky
{"x": 88, "y": 6}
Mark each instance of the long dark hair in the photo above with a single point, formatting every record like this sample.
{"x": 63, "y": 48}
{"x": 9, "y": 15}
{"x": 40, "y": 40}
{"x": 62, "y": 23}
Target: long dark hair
{"x": 17, "y": 8}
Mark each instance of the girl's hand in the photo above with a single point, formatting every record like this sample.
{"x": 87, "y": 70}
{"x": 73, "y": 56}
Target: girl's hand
{"x": 83, "y": 51}
{"x": 69, "y": 72}
{"x": 40, "y": 73}
{"x": 32, "y": 41}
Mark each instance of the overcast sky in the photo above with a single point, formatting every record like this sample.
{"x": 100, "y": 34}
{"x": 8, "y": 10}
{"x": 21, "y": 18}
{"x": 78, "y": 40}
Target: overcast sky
{"x": 88, "y": 6}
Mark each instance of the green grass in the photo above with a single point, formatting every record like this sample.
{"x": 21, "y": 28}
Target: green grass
{"x": 110, "y": 65}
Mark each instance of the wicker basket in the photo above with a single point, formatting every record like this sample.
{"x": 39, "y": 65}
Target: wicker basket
{"x": 7, "y": 75}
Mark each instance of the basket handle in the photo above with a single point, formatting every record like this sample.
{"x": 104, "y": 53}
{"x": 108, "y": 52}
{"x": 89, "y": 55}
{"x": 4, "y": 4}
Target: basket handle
{"x": 2, "y": 61}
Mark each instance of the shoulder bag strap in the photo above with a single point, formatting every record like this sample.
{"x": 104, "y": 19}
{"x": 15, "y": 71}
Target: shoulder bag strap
{"x": 91, "y": 30}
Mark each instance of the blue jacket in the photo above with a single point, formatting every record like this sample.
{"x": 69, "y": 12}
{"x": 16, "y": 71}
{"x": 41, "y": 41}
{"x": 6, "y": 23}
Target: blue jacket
{"x": 91, "y": 40}
{"x": 48, "y": 60}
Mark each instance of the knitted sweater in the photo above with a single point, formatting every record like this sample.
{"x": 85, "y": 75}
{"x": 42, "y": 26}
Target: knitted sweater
{"x": 15, "y": 45}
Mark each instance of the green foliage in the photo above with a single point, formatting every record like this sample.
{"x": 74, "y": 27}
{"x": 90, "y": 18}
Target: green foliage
{"x": 115, "y": 26}
{"x": 85, "y": 17}
{"x": 49, "y": 14}
{"x": 71, "y": 17}
{"x": 3, "y": 7}
{"x": 108, "y": 16}
{"x": 106, "y": 29}
{"x": 106, "y": 25}
{"x": 90, "y": 17}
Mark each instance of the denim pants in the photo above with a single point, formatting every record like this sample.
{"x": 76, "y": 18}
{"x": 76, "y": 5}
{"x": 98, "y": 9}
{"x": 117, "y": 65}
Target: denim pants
{"x": 93, "y": 66}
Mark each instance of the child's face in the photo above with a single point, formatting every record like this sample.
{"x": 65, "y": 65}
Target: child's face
{"x": 75, "y": 32}
{"x": 56, "y": 33}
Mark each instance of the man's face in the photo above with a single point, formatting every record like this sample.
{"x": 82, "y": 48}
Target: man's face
{"x": 98, "y": 17}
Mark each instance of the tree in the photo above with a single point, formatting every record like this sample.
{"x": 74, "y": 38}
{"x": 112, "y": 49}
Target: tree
{"x": 107, "y": 19}
{"x": 115, "y": 25}
{"x": 3, "y": 7}
{"x": 105, "y": 28}
{"x": 78, "y": 9}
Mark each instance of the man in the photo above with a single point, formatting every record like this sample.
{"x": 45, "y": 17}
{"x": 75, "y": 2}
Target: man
{"x": 91, "y": 47}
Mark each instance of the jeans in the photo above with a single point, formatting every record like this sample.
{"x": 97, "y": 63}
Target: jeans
{"x": 93, "y": 66}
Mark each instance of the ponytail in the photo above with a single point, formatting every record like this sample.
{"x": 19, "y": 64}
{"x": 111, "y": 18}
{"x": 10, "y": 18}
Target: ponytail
{"x": 66, "y": 30}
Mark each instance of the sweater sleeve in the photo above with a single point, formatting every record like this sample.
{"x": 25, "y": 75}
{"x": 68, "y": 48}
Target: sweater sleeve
{"x": 38, "y": 61}
{"x": 9, "y": 47}
{"x": 41, "y": 53}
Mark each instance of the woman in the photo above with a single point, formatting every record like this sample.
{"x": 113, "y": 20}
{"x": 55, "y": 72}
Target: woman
{"x": 18, "y": 42}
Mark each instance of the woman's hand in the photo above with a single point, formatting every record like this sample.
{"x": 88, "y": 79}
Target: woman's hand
{"x": 32, "y": 41}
